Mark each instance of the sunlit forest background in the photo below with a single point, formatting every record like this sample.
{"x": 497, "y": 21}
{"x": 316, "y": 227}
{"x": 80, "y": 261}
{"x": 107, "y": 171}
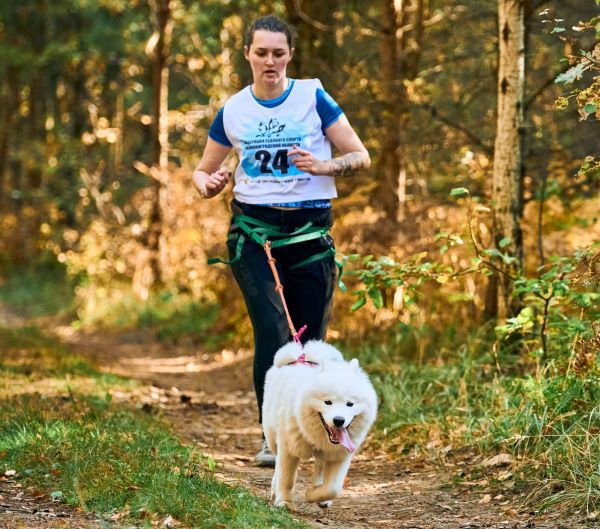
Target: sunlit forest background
{"x": 104, "y": 111}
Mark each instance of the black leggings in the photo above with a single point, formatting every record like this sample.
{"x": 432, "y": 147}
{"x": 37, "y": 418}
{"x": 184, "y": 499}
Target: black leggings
{"x": 308, "y": 289}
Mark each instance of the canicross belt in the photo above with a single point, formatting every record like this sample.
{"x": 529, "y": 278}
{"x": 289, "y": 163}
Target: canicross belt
{"x": 244, "y": 227}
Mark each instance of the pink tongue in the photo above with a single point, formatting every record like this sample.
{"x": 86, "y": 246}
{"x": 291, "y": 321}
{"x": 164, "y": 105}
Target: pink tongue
{"x": 345, "y": 440}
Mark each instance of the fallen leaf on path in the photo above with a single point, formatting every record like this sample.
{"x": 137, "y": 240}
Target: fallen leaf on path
{"x": 500, "y": 459}
{"x": 169, "y": 522}
{"x": 57, "y": 495}
{"x": 503, "y": 476}
{"x": 486, "y": 499}
{"x": 118, "y": 515}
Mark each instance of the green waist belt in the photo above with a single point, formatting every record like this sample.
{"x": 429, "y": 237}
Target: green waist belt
{"x": 245, "y": 228}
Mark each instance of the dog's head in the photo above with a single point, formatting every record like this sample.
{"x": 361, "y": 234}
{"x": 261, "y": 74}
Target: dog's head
{"x": 339, "y": 407}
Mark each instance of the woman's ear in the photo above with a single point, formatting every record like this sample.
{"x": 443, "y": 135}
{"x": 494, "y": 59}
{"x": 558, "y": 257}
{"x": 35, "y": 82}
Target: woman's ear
{"x": 292, "y": 50}
{"x": 246, "y": 51}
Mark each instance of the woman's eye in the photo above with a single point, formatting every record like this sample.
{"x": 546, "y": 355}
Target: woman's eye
{"x": 350, "y": 404}
{"x": 328, "y": 402}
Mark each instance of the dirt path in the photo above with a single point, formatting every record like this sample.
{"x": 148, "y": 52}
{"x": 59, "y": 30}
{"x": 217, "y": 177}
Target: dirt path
{"x": 210, "y": 402}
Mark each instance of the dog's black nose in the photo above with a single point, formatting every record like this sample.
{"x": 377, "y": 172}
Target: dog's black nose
{"x": 339, "y": 421}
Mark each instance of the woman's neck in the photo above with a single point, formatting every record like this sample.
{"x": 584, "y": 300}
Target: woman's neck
{"x": 261, "y": 91}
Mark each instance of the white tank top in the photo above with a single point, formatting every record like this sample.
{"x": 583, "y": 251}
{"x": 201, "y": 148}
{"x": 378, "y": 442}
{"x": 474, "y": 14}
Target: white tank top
{"x": 262, "y": 137}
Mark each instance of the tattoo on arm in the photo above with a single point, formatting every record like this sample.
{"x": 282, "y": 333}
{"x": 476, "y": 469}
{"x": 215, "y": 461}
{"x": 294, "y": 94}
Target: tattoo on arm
{"x": 348, "y": 164}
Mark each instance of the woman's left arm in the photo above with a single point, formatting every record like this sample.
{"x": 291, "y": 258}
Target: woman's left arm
{"x": 353, "y": 154}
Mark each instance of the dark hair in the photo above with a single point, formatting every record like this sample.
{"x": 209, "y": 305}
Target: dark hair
{"x": 273, "y": 24}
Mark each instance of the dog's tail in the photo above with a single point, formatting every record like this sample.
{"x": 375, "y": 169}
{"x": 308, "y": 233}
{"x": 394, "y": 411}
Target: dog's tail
{"x": 319, "y": 352}
{"x": 287, "y": 354}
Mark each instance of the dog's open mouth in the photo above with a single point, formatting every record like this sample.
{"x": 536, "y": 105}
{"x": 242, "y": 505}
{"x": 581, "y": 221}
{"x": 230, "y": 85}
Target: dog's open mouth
{"x": 339, "y": 436}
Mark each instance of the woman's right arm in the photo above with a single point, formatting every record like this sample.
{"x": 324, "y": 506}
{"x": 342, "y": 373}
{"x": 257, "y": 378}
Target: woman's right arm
{"x": 209, "y": 177}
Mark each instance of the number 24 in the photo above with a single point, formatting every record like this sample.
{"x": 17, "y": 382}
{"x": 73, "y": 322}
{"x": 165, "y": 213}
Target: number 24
{"x": 280, "y": 161}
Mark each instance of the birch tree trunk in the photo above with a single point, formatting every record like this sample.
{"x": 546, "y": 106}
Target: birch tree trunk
{"x": 160, "y": 82}
{"x": 507, "y": 193}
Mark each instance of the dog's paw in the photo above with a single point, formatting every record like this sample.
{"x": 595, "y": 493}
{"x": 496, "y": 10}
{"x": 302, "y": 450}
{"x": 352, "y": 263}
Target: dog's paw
{"x": 283, "y": 504}
{"x": 320, "y": 495}
{"x": 325, "y": 504}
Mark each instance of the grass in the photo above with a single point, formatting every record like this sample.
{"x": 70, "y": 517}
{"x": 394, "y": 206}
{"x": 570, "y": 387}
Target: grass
{"x": 549, "y": 422}
{"x": 61, "y": 430}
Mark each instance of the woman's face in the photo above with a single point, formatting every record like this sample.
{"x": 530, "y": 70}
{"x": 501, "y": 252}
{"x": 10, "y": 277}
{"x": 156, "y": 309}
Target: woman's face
{"x": 268, "y": 56}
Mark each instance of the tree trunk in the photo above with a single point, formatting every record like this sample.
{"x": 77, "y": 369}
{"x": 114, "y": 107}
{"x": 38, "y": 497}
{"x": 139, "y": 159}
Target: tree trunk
{"x": 315, "y": 49}
{"x": 158, "y": 48}
{"x": 391, "y": 87}
{"x": 160, "y": 83}
{"x": 8, "y": 113}
{"x": 402, "y": 34}
{"x": 507, "y": 193}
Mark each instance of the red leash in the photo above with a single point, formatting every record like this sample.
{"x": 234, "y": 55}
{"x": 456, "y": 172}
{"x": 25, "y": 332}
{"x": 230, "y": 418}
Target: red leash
{"x": 279, "y": 287}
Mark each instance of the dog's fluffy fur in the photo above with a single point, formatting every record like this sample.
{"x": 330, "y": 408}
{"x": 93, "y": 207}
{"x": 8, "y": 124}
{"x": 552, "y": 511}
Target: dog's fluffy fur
{"x": 322, "y": 411}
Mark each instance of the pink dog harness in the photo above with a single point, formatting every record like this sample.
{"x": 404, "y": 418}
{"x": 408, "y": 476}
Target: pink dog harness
{"x": 301, "y": 360}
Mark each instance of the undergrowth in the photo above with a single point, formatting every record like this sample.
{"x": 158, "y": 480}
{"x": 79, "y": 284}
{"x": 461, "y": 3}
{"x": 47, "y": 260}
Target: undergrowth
{"x": 45, "y": 288}
{"x": 549, "y": 420}
{"x": 65, "y": 435}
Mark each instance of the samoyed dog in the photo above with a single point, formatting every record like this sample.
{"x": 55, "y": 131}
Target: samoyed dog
{"x": 317, "y": 405}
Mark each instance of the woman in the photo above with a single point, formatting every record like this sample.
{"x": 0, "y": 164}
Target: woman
{"x": 282, "y": 130}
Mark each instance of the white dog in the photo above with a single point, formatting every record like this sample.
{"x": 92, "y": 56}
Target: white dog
{"x": 315, "y": 405}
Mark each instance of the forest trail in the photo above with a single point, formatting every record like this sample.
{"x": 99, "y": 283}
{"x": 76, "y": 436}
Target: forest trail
{"x": 209, "y": 400}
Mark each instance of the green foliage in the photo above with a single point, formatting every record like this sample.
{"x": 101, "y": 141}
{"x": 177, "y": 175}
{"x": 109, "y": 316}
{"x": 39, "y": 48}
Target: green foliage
{"x": 379, "y": 277}
{"x": 559, "y": 305}
{"x": 559, "y": 302}
{"x": 38, "y": 288}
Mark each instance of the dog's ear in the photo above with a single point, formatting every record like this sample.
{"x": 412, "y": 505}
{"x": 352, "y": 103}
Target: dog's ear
{"x": 354, "y": 363}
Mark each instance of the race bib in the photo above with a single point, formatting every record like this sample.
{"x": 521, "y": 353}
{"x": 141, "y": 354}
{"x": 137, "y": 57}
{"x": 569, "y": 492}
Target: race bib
{"x": 264, "y": 151}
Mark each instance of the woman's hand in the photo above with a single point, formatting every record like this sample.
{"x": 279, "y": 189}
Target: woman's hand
{"x": 211, "y": 185}
{"x": 306, "y": 162}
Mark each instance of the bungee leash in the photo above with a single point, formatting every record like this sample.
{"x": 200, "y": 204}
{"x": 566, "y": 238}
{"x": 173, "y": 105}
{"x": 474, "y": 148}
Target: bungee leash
{"x": 279, "y": 287}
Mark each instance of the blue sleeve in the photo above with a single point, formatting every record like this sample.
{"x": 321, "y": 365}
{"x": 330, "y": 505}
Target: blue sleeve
{"x": 329, "y": 111}
{"x": 217, "y": 131}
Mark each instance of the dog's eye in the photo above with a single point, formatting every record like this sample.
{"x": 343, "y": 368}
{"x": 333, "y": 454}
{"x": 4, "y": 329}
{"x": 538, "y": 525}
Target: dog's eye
{"x": 349, "y": 404}
{"x": 328, "y": 402}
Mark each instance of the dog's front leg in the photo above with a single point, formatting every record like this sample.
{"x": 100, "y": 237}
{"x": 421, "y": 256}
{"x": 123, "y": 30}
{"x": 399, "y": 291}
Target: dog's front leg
{"x": 334, "y": 473}
{"x": 318, "y": 472}
{"x": 318, "y": 479}
{"x": 286, "y": 466}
